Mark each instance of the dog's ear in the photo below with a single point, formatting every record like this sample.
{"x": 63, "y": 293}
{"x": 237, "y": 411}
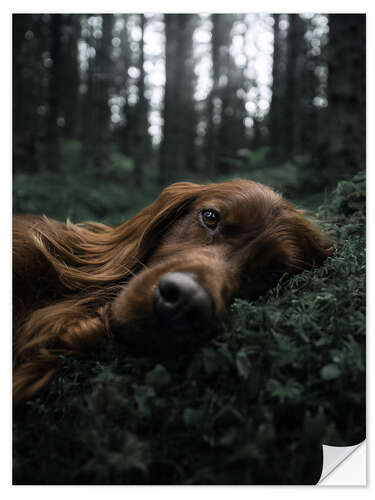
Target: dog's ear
{"x": 172, "y": 203}
{"x": 315, "y": 244}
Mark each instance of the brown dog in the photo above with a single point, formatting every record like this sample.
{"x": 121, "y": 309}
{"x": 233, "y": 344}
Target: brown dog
{"x": 157, "y": 281}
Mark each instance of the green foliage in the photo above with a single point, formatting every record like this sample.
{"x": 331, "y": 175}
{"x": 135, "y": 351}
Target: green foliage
{"x": 349, "y": 199}
{"x": 255, "y": 159}
{"x": 159, "y": 376}
{"x": 296, "y": 178}
{"x": 283, "y": 375}
{"x": 78, "y": 194}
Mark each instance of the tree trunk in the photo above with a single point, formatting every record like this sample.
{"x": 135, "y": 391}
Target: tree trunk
{"x": 213, "y": 114}
{"x": 96, "y": 112}
{"x": 276, "y": 116}
{"x": 291, "y": 94}
{"x": 346, "y": 94}
{"x": 179, "y": 114}
{"x": 70, "y": 70}
{"x": 53, "y": 159}
{"x": 26, "y": 94}
{"x": 140, "y": 132}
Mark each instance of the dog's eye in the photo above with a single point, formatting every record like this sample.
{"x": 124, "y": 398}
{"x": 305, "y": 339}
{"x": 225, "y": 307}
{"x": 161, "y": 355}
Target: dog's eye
{"x": 210, "y": 218}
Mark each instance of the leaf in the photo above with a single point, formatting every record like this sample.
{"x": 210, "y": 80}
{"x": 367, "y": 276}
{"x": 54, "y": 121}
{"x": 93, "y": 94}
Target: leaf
{"x": 195, "y": 367}
{"x": 228, "y": 415}
{"x": 210, "y": 360}
{"x": 142, "y": 395}
{"x": 159, "y": 376}
{"x": 229, "y": 437}
{"x": 192, "y": 417}
{"x": 290, "y": 390}
{"x": 226, "y": 354}
{"x": 330, "y": 372}
{"x": 243, "y": 364}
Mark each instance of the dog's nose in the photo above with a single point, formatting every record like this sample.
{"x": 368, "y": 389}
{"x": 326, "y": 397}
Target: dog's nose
{"x": 181, "y": 303}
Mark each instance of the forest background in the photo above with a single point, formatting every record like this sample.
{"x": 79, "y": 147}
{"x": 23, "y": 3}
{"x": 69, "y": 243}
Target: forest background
{"x": 108, "y": 109}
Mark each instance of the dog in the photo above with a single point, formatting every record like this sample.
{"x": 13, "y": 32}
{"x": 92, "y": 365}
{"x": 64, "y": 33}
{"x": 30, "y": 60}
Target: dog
{"x": 156, "y": 282}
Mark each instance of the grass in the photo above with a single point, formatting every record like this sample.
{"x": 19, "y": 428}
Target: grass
{"x": 283, "y": 375}
{"x": 76, "y": 193}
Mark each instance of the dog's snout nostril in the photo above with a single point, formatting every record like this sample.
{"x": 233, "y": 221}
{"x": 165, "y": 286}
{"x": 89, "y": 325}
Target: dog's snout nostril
{"x": 169, "y": 290}
{"x": 181, "y": 302}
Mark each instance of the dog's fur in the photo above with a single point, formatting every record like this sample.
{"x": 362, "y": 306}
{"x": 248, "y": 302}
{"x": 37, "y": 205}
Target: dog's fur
{"x": 77, "y": 284}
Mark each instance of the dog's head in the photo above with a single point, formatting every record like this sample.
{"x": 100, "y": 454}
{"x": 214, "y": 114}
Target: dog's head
{"x": 203, "y": 246}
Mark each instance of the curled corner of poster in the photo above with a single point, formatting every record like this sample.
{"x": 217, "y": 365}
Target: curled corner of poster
{"x": 344, "y": 465}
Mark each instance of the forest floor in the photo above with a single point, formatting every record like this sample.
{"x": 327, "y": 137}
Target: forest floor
{"x": 110, "y": 196}
{"x": 283, "y": 375}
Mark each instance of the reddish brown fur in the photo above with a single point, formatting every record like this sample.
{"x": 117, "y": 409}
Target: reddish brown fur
{"x": 74, "y": 284}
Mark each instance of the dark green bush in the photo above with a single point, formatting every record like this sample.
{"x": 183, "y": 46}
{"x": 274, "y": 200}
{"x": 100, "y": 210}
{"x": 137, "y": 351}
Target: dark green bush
{"x": 108, "y": 196}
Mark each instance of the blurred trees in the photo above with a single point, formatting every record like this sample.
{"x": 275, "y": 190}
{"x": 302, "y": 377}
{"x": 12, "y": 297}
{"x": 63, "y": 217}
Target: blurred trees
{"x": 132, "y": 132}
{"x": 295, "y": 106}
{"x": 96, "y": 114}
{"x": 70, "y": 33}
{"x": 278, "y": 89}
{"x": 140, "y": 141}
{"x": 177, "y": 148}
{"x": 346, "y": 93}
{"x": 294, "y": 71}
{"x": 190, "y": 96}
{"x": 55, "y": 82}
{"x": 29, "y": 89}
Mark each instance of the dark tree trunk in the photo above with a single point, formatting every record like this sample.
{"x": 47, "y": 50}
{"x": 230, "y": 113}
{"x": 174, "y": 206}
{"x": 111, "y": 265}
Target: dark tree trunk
{"x": 86, "y": 132}
{"x": 226, "y": 111}
{"x": 346, "y": 94}
{"x": 123, "y": 133}
{"x": 169, "y": 146}
{"x": 306, "y": 85}
{"x": 53, "y": 159}
{"x": 140, "y": 135}
{"x": 276, "y": 116}
{"x": 291, "y": 94}
{"x": 101, "y": 95}
{"x": 70, "y": 72}
{"x": 25, "y": 93}
{"x": 20, "y": 27}
{"x": 179, "y": 114}
{"x": 96, "y": 129}
{"x": 213, "y": 110}
{"x": 232, "y": 127}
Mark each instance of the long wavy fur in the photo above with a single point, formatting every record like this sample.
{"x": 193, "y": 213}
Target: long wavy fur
{"x": 84, "y": 267}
